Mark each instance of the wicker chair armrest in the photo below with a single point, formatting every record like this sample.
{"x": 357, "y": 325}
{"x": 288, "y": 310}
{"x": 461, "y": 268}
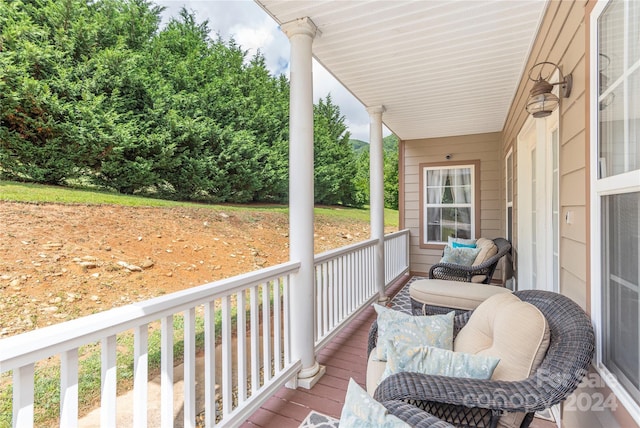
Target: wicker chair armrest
{"x": 445, "y": 270}
{"x": 373, "y": 337}
{"x": 414, "y": 416}
{"x": 519, "y": 396}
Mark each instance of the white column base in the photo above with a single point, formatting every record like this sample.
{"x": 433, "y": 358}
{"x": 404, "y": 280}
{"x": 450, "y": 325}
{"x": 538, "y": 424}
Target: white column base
{"x": 308, "y": 382}
{"x": 383, "y": 300}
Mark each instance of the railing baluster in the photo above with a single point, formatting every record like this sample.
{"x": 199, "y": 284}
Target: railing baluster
{"x": 334, "y": 297}
{"x": 255, "y": 339}
{"x": 329, "y": 302}
{"x": 23, "y": 396}
{"x": 166, "y": 374}
{"x": 266, "y": 332}
{"x": 371, "y": 269}
{"x": 209, "y": 364}
{"x": 227, "y": 378}
{"x": 109, "y": 382}
{"x": 363, "y": 274}
{"x": 140, "y": 375}
{"x": 352, "y": 287}
{"x": 277, "y": 326}
{"x": 241, "y": 323}
{"x": 358, "y": 280}
{"x": 326, "y": 296}
{"x": 69, "y": 388}
{"x": 189, "y": 407}
{"x": 338, "y": 276}
{"x": 317, "y": 295}
{"x": 287, "y": 319}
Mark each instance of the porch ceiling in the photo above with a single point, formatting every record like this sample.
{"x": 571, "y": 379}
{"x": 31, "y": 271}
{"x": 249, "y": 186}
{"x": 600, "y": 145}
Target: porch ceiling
{"x": 439, "y": 67}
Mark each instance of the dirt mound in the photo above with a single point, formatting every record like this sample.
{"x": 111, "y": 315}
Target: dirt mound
{"x": 59, "y": 262}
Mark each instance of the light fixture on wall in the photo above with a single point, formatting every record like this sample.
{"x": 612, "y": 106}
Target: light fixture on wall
{"x": 542, "y": 102}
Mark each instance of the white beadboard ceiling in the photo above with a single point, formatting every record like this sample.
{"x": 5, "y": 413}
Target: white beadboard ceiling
{"x": 440, "y": 68}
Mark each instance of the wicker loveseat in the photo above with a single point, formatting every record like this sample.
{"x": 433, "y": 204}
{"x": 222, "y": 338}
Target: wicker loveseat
{"x": 467, "y": 402}
{"x": 482, "y": 272}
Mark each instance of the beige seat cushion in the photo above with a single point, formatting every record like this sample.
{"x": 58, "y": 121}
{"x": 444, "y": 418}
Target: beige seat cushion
{"x": 515, "y": 331}
{"x": 452, "y": 294}
{"x": 375, "y": 369}
{"x": 488, "y": 249}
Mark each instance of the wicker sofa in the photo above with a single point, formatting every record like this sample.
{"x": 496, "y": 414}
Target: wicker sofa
{"x": 467, "y": 402}
{"x": 482, "y": 270}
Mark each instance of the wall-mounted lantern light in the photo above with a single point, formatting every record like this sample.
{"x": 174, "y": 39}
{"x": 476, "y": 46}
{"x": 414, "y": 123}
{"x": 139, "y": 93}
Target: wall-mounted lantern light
{"x": 542, "y": 102}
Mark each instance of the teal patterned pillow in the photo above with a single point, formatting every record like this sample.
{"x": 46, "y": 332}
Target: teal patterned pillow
{"x": 460, "y": 256}
{"x": 434, "y": 361}
{"x": 461, "y": 245}
{"x": 461, "y": 242}
{"x": 432, "y": 330}
{"x": 362, "y": 411}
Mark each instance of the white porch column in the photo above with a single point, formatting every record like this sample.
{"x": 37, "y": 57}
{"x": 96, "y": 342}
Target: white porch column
{"x": 376, "y": 191}
{"x": 301, "y": 33}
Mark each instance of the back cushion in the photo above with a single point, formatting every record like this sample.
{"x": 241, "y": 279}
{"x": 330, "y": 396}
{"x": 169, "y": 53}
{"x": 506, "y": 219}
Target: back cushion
{"x": 503, "y": 326}
{"x": 487, "y": 250}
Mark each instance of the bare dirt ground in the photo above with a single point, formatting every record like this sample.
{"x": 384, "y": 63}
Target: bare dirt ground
{"x": 59, "y": 262}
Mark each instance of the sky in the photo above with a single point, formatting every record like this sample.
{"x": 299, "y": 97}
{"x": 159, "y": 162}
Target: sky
{"x": 253, "y": 29}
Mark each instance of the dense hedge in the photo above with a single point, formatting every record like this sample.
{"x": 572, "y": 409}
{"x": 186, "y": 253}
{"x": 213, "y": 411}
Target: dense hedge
{"x": 96, "y": 92}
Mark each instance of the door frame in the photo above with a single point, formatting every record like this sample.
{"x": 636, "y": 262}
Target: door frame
{"x": 537, "y": 134}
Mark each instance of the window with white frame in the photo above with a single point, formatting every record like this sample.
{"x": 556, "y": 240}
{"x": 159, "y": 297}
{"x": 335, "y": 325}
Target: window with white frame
{"x": 615, "y": 154}
{"x": 448, "y": 202}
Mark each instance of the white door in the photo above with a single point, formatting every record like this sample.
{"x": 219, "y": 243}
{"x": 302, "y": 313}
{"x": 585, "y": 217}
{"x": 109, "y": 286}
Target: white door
{"x": 538, "y": 205}
{"x": 539, "y": 209}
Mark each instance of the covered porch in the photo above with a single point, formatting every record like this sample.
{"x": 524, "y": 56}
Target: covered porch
{"x": 444, "y": 77}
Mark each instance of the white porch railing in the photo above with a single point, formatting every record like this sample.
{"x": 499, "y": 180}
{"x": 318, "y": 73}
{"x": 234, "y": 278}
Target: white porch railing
{"x": 261, "y": 299}
{"x": 345, "y": 281}
{"x": 396, "y": 256}
{"x": 249, "y": 371}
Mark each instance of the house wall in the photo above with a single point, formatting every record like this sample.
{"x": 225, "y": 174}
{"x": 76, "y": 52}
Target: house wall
{"x": 482, "y": 147}
{"x": 562, "y": 39}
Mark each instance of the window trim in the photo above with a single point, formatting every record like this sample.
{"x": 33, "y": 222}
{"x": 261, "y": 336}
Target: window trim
{"x": 475, "y": 164}
{"x": 600, "y": 187}
{"x": 508, "y": 161}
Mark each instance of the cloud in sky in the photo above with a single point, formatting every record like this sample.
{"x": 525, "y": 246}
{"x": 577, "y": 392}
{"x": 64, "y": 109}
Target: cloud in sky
{"x": 253, "y": 30}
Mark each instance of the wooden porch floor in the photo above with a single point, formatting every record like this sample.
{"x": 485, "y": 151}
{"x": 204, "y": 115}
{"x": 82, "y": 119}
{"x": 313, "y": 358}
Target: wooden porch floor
{"x": 344, "y": 357}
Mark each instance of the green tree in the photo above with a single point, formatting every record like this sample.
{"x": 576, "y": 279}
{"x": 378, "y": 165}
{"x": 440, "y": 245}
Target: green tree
{"x": 334, "y": 160}
{"x": 391, "y": 177}
{"x": 362, "y": 183}
{"x": 63, "y": 103}
{"x": 94, "y": 89}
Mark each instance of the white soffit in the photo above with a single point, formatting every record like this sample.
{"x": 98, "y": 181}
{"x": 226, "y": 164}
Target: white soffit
{"x": 440, "y": 68}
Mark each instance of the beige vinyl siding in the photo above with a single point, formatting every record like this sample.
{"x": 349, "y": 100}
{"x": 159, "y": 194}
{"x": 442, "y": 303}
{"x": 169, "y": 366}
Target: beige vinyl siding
{"x": 562, "y": 40}
{"x": 481, "y": 147}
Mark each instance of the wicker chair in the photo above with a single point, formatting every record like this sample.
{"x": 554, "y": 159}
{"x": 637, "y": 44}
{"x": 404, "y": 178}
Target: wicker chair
{"x": 414, "y": 416}
{"x": 480, "y": 403}
{"x": 465, "y": 273}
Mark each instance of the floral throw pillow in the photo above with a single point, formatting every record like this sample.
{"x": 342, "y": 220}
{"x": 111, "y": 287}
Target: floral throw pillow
{"x": 362, "y": 411}
{"x": 432, "y": 330}
{"x": 403, "y": 357}
{"x": 460, "y": 256}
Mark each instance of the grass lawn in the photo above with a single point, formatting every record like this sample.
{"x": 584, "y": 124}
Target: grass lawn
{"x": 38, "y": 193}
